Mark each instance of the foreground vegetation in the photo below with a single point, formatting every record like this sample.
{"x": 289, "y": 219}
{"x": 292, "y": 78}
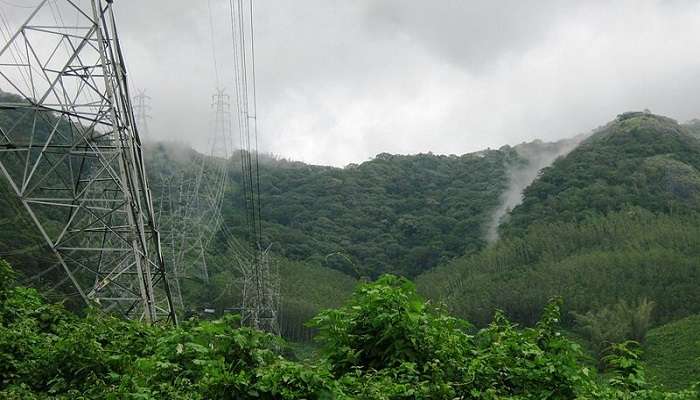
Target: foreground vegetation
{"x": 385, "y": 343}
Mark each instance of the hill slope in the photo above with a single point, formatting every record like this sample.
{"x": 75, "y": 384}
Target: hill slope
{"x": 672, "y": 353}
{"x": 615, "y": 219}
{"x": 399, "y": 214}
{"x": 402, "y": 214}
{"x": 640, "y": 160}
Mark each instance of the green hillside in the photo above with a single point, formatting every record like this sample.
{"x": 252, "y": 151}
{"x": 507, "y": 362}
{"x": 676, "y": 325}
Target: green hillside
{"x": 612, "y": 228}
{"x": 301, "y": 296}
{"x": 399, "y": 214}
{"x": 402, "y": 214}
{"x": 21, "y": 244}
{"x": 639, "y": 159}
{"x": 672, "y": 353}
{"x": 305, "y": 290}
{"x": 632, "y": 254}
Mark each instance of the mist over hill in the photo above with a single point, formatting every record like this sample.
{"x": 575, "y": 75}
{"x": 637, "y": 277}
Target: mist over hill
{"x": 534, "y": 156}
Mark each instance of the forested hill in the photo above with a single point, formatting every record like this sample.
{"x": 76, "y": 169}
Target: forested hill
{"x": 612, "y": 228}
{"x": 640, "y": 159}
{"x": 395, "y": 213}
{"x": 402, "y": 214}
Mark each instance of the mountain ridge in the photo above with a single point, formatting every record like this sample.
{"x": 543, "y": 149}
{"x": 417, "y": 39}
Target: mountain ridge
{"x": 640, "y": 152}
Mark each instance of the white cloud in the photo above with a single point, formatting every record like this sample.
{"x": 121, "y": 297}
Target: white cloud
{"x": 341, "y": 81}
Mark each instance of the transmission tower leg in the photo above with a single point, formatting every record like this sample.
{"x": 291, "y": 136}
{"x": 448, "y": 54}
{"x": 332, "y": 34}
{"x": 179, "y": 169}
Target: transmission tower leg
{"x": 73, "y": 156}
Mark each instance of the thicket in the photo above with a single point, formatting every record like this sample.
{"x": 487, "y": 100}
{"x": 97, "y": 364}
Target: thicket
{"x": 385, "y": 343}
{"x": 392, "y": 214}
{"x": 615, "y": 324}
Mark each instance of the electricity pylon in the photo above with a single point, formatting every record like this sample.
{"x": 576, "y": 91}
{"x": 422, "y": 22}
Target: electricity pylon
{"x": 258, "y": 283}
{"x": 261, "y": 293}
{"x": 220, "y": 141}
{"x": 193, "y": 196}
{"x": 71, "y": 153}
{"x": 142, "y": 110}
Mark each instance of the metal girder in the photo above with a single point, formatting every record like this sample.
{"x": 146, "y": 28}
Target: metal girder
{"x": 71, "y": 153}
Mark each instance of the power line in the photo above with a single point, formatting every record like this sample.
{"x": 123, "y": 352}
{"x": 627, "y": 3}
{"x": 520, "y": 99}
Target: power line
{"x": 261, "y": 302}
{"x": 241, "y": 83}
{"x": 213, "y": 44}
{"x": 255, "y": 117}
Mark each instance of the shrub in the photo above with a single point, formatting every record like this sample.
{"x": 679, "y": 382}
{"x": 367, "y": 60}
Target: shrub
{"x": 386, "y": 343}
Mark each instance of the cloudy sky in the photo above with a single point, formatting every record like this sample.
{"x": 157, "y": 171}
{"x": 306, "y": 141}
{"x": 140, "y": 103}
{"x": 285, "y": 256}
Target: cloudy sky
{"x": 340, "y": 81}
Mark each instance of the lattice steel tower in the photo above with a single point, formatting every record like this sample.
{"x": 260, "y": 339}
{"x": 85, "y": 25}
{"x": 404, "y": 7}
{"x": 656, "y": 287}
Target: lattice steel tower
{"x": 221, "y": 131}
{"x": 142, "y": 113}
{"x": 72, "y": 154}
{"x": 261, "y": 292}
{"x": 190, "y": 211}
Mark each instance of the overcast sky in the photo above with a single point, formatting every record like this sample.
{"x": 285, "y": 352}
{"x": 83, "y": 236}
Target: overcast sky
{"x": 340, "y": 81}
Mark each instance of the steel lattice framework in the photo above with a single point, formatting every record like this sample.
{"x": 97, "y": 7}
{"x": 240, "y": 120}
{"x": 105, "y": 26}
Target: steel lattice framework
{"x": 72, "y": 155}
{"x": 261, "y": 292}
{"x": 192, "y": 197}
{"x": 142, "y": 114}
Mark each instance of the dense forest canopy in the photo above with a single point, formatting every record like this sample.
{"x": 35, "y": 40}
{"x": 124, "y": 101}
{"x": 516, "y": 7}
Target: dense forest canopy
{"x": 640, "y": 159}
{"x": 394, "y": 213}
{"x": 400, "y": 214}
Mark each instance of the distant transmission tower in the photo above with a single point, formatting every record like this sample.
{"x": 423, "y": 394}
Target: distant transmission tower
{"x": 142, "y": 113}
{"x": 261, "y": 280}
{"x": 261, "y": 292}
{"x": 221, "y": 132}
{"x": 191, "y": 210}
{"x": 72, "y": 154}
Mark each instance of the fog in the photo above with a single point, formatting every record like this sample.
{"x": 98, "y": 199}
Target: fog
{"x": 537, "y": 155}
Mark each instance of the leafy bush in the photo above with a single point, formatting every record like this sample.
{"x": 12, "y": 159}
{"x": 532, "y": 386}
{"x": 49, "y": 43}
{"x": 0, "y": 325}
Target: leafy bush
{"x": 616, "y": 324}
{"x": 6, "y": 276}
{"x": 385, "y": 343}
{"x": 386, "y": 324}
